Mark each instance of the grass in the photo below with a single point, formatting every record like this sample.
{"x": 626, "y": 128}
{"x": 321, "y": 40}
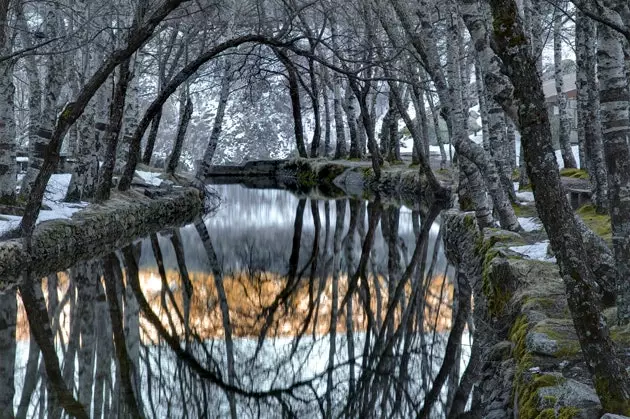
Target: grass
{"x": 574, "y": 173}
{"x": 599, "y": 223}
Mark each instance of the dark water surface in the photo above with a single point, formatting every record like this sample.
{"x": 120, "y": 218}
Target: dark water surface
{"x": 272, "y": 307}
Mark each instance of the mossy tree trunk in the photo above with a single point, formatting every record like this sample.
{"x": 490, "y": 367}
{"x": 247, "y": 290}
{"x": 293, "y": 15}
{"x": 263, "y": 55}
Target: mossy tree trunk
{"x": 513, "y": 47}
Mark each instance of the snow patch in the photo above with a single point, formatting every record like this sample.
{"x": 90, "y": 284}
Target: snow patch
{"x": 536, "y": 251}
{"x": 151, "y": 178}
{"x": 530, "y": 223}
{"x": 53, "y": 198}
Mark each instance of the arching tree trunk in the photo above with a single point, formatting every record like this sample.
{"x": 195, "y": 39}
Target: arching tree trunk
{"x": 138, "y": 35}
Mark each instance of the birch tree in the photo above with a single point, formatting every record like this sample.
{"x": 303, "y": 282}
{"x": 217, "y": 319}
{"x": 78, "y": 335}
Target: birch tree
{"x": 7, "y": 116}
{"x": 564, "y": 131}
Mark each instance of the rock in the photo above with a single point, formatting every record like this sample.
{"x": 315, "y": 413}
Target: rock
{"x": 496, "y": 414}
{"x": 613, "y": 416}
{"x": 570, "y": 393}
{"x": 541, "y": 344}
{"x": 500, "y": 351}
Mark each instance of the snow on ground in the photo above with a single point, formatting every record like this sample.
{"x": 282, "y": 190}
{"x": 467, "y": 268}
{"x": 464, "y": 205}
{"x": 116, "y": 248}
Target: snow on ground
{"x": 53, "y": 198}
{"x": 536, "y": 251}
{"x": 151, "y": 178}
{"x": 574, "y": 148}
{"x": 525, "y": 196}
{"x": 530, "y": 223}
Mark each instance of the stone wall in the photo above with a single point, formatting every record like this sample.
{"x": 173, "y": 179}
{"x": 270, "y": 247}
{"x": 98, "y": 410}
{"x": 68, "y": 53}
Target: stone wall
{"x": 399, "y": 184}
{"x": 531, "y": 363}
{"x": 99, "y": 229}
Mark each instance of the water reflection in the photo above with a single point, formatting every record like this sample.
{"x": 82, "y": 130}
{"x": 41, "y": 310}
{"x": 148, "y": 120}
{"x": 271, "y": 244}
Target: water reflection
{"x": 273, "y": 307}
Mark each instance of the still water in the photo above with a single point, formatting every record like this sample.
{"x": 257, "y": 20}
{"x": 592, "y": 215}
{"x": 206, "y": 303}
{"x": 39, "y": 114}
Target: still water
{"x": 274, "y": 306}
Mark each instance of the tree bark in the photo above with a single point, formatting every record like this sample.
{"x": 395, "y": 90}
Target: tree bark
{"x": 615, "y": 98}
{"x": 557, "y": 216}
{"x": 7, "y": 119}
{"x": 185, "y": 114}
{"x": 113, "y": 132}
{"x": 589, "y": 123}
{"x": 564, "y": 131}
{"x": 73, "y": 111}
{"x": 217, "y": 126}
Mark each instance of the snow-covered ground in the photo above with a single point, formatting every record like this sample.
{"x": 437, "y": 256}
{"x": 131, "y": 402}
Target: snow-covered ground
{"x": 53, "y": 198}
{"x": 530, "y": 223}
{"x": 151, "y": 178}
{"x": 537, "y": 251}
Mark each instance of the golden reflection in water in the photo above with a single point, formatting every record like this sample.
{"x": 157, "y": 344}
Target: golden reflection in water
{"x": 249, "y": 296}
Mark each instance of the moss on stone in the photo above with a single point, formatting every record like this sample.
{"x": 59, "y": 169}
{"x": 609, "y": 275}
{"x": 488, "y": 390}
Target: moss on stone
{"x": 306, "y": 178}
{"x": 525, "y": 210}
{"x": 574, "y": 173}
{"x": 609, "y": 402}
{"x": 528, "y": 400}
{"x": 548, "y": 413}
{"x": 563, "y": 332}
{"x": 621, "y": 335}
{"x": 599, "y": 223}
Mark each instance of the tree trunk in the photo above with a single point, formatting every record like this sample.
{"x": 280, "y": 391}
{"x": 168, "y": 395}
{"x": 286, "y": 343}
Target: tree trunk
{"x": 34, "y": 104}
{"x": 564, "y": 131}
{"x": 7, "y": 118}
{"x": 341, "y": 148}
{"x": 185, "y": 114}
{"x": 113, "y": 131}
{"x": 131, "y": 116}
{"x": 72, "y": 111}
{"x": 589, "y": 123}
{"x": 557, "y": 216}
{"x": 615, "y": 98}
{"x": 217, "y": 272}
{"x": 8, "y": 319}
{"x": 148, "y": 149}
{"x": 317, "y": 133}
{"x": 217, "y": 126}
{"x": 351, "y": 117}
{"x": 327, "y": 117}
